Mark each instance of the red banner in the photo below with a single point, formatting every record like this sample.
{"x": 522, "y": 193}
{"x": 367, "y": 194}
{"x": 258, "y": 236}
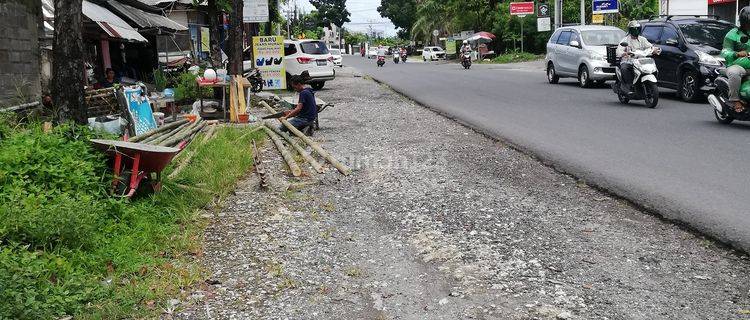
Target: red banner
{"x": 712, "y": 2}
{"x": 521, "y": 8}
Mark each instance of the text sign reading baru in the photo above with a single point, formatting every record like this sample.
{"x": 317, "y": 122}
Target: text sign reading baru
{"x": 605, "y": 6}
{"x": 268, "y": 57}
{"x": 521, "y": 8}
{"x": 255, "y": 11}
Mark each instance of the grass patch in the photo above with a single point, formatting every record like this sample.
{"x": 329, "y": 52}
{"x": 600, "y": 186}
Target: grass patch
{"x": 68, "y": 249}
{"x": 514, "y": 57}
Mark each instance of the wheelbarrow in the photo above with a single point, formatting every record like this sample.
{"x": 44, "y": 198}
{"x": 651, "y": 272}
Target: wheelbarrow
{"x": 141, "y": 159}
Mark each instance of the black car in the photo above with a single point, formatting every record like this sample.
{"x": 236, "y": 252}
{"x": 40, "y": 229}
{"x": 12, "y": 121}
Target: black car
{"x": 690, "y": 52}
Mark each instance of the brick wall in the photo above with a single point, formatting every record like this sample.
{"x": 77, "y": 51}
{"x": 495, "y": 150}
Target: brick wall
{"x": 19, "y": 51}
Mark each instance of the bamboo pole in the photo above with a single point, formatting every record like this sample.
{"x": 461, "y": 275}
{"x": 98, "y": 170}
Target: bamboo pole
{"x": 296, "y": 171}
{"x": 159, "y": 135}
{"x": 339, "y": 166}
{"x": 172, "y": 133}
{"x": 306, "y": 155}
{"x": 157, "y": 130}
{"x": 182, "y": 136}
{"x": 258, "y": 166}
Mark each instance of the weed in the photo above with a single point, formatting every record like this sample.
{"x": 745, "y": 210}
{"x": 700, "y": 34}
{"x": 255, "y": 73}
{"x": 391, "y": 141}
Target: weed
{"x": 328, "y": 207}
{"x": 354, "y": 272}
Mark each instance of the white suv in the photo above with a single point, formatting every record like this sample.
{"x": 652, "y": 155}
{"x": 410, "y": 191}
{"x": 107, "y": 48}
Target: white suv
{"x": 311, "y": 56}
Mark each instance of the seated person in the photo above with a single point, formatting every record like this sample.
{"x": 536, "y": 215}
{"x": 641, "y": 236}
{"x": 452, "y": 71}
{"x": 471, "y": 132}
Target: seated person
{"x": 306, "y": 110}
{"x": 109, "y": 79}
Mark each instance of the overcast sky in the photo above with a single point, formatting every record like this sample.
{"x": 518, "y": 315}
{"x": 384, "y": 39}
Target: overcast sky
{"x": 363, "y": 14}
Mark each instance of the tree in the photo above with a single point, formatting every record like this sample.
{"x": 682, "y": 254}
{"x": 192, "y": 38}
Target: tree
{"x": 214, "y": 8}
{"x": 236, "y": 40}
{"x": 332, "y": 12}
{"x": 68, "y": 65}
{"x": 403, "y": 13}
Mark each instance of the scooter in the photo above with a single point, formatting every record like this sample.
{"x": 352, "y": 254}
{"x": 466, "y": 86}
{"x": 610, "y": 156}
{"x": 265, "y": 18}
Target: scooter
{"x": 466, "y": 60}
{"x": 644, "y": 80}
{"x": 395, "y": 58}
{"x": 719, "y": 100}
{"x": 403, "y": 57}
{"x": 381, "y": 61}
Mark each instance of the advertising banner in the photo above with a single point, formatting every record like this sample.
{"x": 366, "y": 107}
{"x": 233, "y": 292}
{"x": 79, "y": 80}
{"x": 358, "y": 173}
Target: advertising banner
{"x": 268, "y": 57}
{"x": 521, "y": 8}
{"x": 605, "y": 6}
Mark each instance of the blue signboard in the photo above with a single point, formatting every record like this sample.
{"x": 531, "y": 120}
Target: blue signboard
{"x": 605, "y": 6}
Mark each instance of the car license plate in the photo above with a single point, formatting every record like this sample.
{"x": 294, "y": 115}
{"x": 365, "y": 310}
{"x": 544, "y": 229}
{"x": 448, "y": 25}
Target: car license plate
{"x": 322, "y": 62}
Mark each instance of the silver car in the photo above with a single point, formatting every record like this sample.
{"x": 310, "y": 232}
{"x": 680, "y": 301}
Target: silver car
{"x": 581, "y": 52}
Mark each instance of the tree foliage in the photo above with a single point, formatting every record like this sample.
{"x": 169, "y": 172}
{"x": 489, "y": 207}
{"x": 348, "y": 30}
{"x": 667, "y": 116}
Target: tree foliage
{"x": 418, "y": 18}
{"x": 332, "y": 12}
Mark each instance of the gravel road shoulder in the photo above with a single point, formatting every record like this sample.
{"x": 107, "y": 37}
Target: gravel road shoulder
{"x": 440, "y": 222}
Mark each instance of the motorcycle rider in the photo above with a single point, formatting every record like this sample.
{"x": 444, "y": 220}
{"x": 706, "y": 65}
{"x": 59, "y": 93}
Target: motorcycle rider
{"x": 381, "y": 52}
{"x": 466, "y": 47}
{"x": 735, "y": 53}
{"x": 635, "y": 42}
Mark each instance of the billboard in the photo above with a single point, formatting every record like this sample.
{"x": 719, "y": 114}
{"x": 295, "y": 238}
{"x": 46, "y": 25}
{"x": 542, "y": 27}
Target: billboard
{"x": 255, "y": 11}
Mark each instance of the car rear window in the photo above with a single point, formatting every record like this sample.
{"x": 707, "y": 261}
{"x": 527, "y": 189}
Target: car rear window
{"x": 705, "y": 33}
{"x": 314, "y": 47}
{"x": 335, "y": 51}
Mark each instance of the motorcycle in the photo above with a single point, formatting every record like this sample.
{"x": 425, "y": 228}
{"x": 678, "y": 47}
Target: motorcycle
{"x": 719, "y": 100}
{"x": 644, "y": 80}
{"x": 403, "y": 57}
{"x": 381, "y": 61}
{"x": 256, "y": 80}
{"x": 466, "y": 59}
{"x": 395, "y": 58}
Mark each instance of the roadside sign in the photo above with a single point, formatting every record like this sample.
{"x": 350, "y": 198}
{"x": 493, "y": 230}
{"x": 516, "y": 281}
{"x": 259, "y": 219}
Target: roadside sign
{"x": 255, "y": 11}
{"x": 597, "y": 18}
{"x": 605, "y": 6}
{"x": 542, "y": 10}
{"x": 521, "y": 8}
{"x": 268, "y": 57}
{"x": 543, "y": 24}
{"x": 435, "y": 32}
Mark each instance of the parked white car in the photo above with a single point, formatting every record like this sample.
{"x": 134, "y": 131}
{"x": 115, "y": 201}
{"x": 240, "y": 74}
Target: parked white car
{"x": 433, "y": 53}
{"x": 312, "y": 56}
{"x": 338, "y": 61}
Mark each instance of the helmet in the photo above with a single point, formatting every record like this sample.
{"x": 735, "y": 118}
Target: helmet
{"x": 466, "y": 41}
{"x": 634, "y": 28}
{"x": 745, "y": 18}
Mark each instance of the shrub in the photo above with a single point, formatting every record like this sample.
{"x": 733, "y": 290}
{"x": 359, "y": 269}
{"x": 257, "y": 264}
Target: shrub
{"x": 188, "y": 89}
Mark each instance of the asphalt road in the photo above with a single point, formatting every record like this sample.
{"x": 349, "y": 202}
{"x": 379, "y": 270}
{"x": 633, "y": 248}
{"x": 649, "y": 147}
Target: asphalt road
{"x": 676, "y": 159}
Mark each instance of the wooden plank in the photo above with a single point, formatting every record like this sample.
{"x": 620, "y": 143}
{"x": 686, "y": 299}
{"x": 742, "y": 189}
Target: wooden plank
{"x": 242, "y": 108}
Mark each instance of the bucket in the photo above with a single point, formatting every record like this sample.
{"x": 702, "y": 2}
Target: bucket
{"x": 243, "y": 118}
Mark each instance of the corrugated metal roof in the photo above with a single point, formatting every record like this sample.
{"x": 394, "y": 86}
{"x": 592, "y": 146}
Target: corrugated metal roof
{"x": 157, "y": 2}
{"x": 144, "y": 19}
{"x": 113, "y": 25}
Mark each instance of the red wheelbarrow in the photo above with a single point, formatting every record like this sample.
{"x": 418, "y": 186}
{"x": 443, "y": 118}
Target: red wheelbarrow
{"x": 142, "y": 159}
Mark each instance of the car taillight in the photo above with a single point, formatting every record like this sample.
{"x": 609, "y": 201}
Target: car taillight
{"x": 303, "y": 60}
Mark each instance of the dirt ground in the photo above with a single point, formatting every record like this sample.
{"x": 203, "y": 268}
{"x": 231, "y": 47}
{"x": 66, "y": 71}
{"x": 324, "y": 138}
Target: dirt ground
{"x": 440, "y": 222}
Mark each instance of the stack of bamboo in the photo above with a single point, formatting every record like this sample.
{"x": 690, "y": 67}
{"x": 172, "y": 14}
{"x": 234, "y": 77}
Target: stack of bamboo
{"x": 276, "y": 136}
{"x": 175, "y": 134}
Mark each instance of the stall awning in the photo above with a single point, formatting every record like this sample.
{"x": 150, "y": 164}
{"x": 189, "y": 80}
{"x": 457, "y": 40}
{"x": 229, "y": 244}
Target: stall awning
{"x": 105, "y": 19}
{"x": 145, "y": 19}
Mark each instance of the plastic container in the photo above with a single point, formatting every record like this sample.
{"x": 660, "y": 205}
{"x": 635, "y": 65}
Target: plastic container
{"x": 191, "y": 117}
{"x": 243, "y": 118}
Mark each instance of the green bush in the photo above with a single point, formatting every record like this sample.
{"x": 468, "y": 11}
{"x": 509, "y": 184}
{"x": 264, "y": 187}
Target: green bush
{"x": 187, "y": 88}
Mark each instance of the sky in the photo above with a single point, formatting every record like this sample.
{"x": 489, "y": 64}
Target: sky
{"x": 364, "y": 14}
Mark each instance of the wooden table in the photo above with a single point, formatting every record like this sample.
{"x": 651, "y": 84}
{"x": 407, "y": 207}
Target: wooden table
{"x": 224, "y": 86}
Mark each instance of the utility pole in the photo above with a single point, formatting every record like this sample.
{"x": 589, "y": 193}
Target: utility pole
{"x": 558, "y": 14}
{"x": 583, "y": 12}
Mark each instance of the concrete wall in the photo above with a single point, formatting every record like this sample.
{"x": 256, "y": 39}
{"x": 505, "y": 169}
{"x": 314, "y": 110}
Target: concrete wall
{"x": 19, "y": 51}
